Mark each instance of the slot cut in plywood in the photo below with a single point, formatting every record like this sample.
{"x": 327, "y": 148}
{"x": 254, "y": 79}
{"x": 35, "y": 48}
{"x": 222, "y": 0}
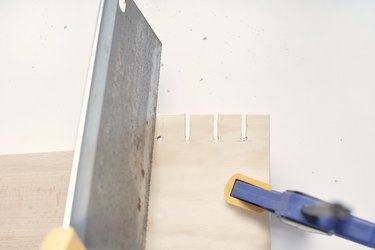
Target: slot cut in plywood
{"x": 187, "y": 209}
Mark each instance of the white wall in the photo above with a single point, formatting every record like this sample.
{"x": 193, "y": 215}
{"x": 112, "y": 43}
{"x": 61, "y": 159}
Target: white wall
{"x": 309, "y": 64}
{"x": 44, "y": 53}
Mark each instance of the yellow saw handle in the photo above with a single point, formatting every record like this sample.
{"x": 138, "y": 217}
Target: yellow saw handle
{"x": 62, "y": 239}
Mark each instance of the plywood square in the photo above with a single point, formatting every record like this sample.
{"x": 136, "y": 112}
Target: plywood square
{"x": 187, "y": 208}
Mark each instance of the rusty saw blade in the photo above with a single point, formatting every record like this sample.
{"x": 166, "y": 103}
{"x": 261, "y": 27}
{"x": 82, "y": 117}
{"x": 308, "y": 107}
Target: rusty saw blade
{"x": 109, "y": 186}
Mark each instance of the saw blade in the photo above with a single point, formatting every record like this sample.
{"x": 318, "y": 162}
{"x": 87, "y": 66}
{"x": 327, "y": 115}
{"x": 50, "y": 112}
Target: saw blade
{"x": 109, "y": 187}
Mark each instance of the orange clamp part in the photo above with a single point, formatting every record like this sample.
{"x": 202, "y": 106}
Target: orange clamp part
{"x": 239, "y": 203}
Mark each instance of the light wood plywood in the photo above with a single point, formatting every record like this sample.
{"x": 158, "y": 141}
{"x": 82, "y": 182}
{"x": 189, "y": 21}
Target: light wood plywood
{"x": 187, "y": 208}
{"x": 33, "y": 191}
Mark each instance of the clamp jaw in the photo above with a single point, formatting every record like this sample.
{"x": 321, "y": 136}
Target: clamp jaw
{"x": 299, "y": 209}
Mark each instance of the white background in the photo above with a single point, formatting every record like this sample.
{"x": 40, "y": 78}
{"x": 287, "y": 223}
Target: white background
{"x": 309, "y": 64}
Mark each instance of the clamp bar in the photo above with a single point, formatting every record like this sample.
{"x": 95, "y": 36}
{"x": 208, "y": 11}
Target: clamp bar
{"x": 255, "y": 195}
{"x": 306, "y": 211}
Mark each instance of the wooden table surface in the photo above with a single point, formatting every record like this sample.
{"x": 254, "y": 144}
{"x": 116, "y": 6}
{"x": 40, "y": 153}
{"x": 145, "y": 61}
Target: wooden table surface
{"x": 33, "y": 190}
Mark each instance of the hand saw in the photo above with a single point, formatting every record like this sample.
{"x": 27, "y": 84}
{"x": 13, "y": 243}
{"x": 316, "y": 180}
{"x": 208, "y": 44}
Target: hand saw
{"x": 109, "y": 186}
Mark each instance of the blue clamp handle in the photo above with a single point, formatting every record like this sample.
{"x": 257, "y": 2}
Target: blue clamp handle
{"x": 292, "y": 206}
